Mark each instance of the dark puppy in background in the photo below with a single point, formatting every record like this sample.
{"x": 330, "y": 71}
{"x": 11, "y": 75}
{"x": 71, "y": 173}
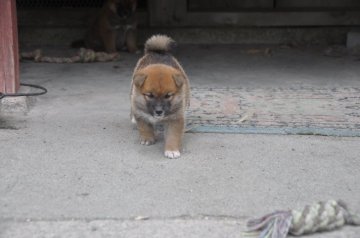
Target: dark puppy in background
{"x": 113, "y": 29}
{"x": 160, "y": 93}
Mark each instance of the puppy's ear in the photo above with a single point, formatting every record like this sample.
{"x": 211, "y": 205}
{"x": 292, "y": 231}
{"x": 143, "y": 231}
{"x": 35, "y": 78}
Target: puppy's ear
{"x": 179, "y": 80}
{"x": 139, "y": 79}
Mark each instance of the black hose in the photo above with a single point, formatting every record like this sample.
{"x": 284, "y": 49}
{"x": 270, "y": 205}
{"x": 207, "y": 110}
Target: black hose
{"x": 44, "y": 90}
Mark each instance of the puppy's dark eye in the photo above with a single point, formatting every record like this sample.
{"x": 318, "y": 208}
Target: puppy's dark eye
{"x": 167, "y": 96}
{"x": 149, "y": 95}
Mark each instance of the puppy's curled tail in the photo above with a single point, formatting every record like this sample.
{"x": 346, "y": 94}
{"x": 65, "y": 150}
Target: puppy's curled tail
{"x": 160, "y": 44}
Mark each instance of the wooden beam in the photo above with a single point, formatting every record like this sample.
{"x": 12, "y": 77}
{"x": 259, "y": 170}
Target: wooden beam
{"x": 9, "y": 56}
{"x": 234, "y": 5}
{"x": 164, "y": 13}
{"x": 52, "y": 17}
{"x": 266, "y": 19}
{"x": 349, "y": 4}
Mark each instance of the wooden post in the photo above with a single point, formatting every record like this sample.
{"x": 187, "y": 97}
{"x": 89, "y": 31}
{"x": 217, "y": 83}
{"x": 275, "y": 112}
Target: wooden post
{"x": 9, "y": 51}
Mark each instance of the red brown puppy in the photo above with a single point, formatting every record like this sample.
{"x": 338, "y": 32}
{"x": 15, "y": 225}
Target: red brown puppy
{"x": 160, "y": 93}
{"x": 114, "y": 28}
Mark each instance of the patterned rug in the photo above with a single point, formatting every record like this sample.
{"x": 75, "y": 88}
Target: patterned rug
{"x": 306, "y": 111}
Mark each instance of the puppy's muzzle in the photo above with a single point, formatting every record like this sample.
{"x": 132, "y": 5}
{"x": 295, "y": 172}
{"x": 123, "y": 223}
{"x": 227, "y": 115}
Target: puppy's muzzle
{"x": 156, "y": 108}
{"x": 159, "y": 113}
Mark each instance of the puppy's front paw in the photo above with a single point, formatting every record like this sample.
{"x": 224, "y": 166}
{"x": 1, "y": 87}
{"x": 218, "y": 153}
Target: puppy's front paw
{"x": 172, "y": 154}
{"x": 147, "y": 141}
{"x": 133, "y": 120}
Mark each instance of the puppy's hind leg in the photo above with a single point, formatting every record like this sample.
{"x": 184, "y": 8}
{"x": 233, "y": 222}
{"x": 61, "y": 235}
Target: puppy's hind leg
{"x": 130, "y": 41}
{"x": 173, "y": 137}
{"x": 109, "y": 40}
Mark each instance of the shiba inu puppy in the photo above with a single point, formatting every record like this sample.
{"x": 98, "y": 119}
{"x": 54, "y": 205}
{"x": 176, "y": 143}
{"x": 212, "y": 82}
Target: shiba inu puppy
{"x": 160, "y": 93}
{"x": 113, "y": 29}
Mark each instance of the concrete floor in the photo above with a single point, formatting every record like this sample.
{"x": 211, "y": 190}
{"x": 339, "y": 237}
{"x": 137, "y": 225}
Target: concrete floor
{"x": 73, "y": 164}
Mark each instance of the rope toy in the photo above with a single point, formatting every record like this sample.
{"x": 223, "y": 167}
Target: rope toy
{"x": 320, "y": 216}
{"x": 83, "y": 56}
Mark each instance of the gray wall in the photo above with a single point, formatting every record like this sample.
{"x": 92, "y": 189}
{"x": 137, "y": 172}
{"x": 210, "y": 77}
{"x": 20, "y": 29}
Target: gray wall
{"x": 209, "y": 21}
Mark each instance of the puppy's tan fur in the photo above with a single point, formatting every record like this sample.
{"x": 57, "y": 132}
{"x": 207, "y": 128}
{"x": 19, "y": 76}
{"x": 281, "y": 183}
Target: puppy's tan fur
{"x": 159, "y": 81}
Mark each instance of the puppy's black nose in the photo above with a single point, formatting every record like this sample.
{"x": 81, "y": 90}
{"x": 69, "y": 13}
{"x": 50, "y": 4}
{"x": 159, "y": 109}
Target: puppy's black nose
{"x": 159, "y": 112}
